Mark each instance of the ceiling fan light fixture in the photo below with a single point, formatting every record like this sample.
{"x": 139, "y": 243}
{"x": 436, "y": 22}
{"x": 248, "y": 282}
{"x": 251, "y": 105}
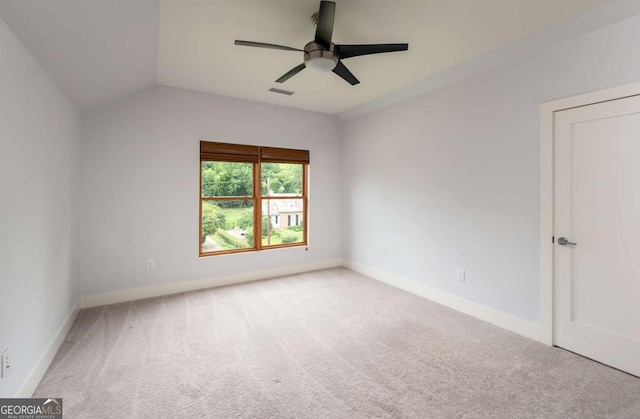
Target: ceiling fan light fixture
{"x": 322, "y": 64}
{"x": 319, "y": 59}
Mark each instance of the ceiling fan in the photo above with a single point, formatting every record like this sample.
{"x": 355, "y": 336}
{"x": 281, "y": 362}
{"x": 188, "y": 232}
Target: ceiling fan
{"x": 322, "y": 55}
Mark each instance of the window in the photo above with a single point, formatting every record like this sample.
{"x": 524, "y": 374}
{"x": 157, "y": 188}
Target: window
{"x": 244, "y": 193}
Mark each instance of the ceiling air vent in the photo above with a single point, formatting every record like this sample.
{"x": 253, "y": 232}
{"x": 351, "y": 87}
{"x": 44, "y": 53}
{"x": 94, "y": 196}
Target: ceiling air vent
{"x": 282, "y": 92}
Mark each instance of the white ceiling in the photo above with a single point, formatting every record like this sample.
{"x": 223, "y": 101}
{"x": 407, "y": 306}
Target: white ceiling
{"x": 97, "y": 50}
{"x": 102, "y": 49}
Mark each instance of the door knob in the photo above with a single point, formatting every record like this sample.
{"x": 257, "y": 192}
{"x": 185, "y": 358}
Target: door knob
{"x": 562, "y": 241}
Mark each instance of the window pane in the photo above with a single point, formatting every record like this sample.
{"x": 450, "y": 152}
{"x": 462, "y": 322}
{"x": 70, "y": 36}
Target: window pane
{"x": 226, "y": 179}
{"x": 227, "y": 225}
{"x": 281, "y": 179}
{"x": 282, "y": 221}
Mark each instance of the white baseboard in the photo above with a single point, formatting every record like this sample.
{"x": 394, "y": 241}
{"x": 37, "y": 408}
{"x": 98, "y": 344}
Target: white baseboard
{"x": 131, "y": 294}
{"x": 489, "y": 315}
{"x": 37, "y": 372}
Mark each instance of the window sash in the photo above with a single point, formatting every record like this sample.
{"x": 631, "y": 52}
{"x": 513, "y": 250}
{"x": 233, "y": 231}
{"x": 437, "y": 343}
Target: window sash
{"x": 226, "y": 198}
{"x": 214, "y": 151}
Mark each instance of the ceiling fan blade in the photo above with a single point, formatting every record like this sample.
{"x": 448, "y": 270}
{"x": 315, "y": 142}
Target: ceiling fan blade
{"x": 263, "y": 45}
{"x": 344, "y": 72}
{"x": 348, "y": 51}
{"x": 291, "y": 73}
{"x": 324, "y": 28}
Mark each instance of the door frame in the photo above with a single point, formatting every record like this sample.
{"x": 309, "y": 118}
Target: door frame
{"x": 547, "y": 130}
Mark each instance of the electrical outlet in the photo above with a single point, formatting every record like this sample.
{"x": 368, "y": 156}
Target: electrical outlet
{"x": 151, "y": 264}
{"x": 5, "y": 362}
{"x": 460, "y": 274}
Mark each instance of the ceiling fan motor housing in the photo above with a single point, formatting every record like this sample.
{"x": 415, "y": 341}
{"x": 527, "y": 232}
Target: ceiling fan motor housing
{"x": 320, "y": 59}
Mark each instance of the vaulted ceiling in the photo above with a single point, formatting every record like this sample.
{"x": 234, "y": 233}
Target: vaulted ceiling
{"x": 99, "y": 50}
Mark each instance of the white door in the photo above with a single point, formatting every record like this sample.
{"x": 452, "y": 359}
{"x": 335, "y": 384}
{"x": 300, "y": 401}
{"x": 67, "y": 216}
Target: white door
{"x": 597, "y": 206}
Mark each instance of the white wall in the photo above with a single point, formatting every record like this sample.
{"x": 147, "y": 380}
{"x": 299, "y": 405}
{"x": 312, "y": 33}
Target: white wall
{"x": 450, "y": 179}
{"x": 39, "y": 137}
{"x": 140, "y": 174}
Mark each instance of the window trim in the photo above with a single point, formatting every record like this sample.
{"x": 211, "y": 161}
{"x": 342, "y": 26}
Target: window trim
{"x": 237, "y": 153}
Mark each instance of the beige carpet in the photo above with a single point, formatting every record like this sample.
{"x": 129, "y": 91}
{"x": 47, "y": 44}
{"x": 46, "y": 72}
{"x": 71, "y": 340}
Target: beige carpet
{"x": 326, "y": 344}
